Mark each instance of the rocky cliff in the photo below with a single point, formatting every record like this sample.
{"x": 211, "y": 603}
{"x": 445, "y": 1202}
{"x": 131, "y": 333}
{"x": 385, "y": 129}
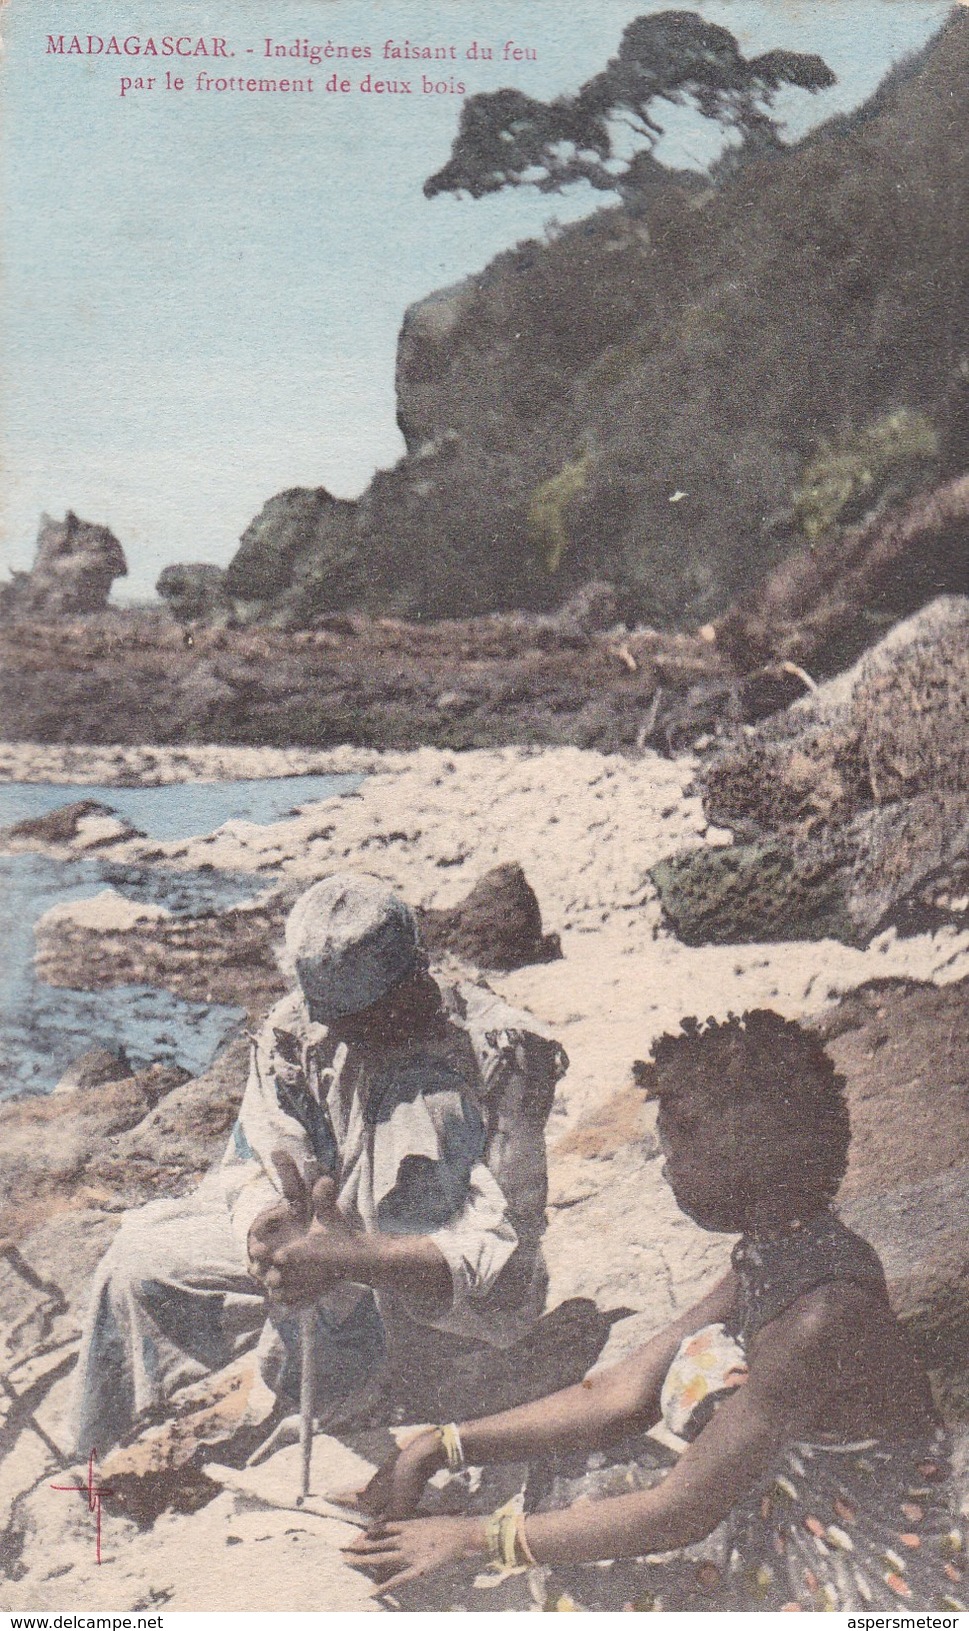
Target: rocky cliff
{"x": 672, "y": 401}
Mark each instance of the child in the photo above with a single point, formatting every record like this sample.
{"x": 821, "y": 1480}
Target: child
{"x": 814, "y": 1474}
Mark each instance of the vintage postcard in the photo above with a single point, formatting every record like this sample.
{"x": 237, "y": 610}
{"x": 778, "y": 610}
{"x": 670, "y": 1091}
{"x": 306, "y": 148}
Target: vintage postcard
{"x": 484, "y": 803}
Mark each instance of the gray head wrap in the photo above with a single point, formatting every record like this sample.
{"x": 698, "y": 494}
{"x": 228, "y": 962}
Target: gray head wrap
{"x": 349, "y": 939}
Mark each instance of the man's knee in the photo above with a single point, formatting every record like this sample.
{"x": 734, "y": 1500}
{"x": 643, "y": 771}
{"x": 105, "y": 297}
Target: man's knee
{"x": 136, "y": 1258}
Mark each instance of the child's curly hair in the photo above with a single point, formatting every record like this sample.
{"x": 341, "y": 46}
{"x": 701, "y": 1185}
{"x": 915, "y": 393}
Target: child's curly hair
{"x": 784, "y": 1096}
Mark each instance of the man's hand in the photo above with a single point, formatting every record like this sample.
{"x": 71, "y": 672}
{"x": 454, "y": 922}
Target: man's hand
{"x": 312, "y": 1247}
{"x": 283, "y": 1223}
{"x": 399, "y": 1552}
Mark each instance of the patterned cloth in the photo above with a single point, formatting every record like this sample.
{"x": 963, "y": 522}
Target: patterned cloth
{"x": 853, "y": 1527}
{"x": 707, "y": 1368}
{"x": 832, "y": 1527}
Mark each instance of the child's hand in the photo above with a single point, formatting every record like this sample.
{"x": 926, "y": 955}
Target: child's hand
{"x": 399, "y": 1552}
{"x": 395, "y": 1489}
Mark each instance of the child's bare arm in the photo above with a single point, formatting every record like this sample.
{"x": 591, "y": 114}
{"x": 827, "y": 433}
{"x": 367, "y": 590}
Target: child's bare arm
{"x": 597, "y": 1411}
{"x": 603, "y": 1407}
{"x": 799, "y": 1361}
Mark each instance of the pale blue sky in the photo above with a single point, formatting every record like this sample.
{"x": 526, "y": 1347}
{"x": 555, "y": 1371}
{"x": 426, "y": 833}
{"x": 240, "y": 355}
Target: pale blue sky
{"x": 204, "y": 291}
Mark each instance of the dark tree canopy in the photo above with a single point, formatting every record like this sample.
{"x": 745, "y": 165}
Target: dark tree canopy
{"x": 508, "y": 139}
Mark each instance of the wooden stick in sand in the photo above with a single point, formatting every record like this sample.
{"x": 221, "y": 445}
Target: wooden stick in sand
{"x": 307, "y": 1395}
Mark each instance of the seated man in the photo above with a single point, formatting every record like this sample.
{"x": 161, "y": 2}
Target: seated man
{"x": 416, "y": 1115}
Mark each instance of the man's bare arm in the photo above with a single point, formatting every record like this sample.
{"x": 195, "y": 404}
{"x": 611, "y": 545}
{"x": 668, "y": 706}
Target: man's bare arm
{"x": 331, "y": 1252}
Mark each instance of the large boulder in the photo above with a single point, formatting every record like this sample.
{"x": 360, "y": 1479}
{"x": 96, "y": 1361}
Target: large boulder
{"x": 498, "y": 925}
{"x": 301, "y": 549}
{"x": 903, "y": 1048}
{"x": 74, "y": 567}
{"x": 850, "y": 810}
{"x": 194, "y": 591}
{"x": 905, "y": 863}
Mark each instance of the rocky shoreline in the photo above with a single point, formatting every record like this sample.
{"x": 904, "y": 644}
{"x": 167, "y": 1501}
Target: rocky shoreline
{"x": 539, "y": 868}
{"x": 587, "y": 829}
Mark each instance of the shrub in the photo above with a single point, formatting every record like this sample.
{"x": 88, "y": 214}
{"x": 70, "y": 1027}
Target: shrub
{"x": 546, "y": 509}
{"x": 847, "y": 474}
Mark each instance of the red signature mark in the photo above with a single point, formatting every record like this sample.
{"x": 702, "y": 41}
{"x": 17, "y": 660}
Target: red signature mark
{"x": 94, "y": 1493}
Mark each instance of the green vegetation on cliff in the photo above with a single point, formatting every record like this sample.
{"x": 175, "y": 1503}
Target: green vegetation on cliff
{"x": 744, "y": 363}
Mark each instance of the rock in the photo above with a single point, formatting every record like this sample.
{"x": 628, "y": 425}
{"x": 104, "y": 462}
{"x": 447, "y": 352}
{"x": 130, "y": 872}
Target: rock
{"x": 909, "y": 864}
{"x": 187, "y": 1129}
{"x": 854, "y": 804}
{"x": 568, "y": 344}
{"x": 85, "y": 824}
{"x": 753, "y": 893}
{"x": 301, "y": 538}
{"x": 108, "y": 912}
{"x": 909, "y": 710}
{"x": 591, "y": 609}
{"x": 74, "y": 568}
{"x": 109, "y": 940}
{"x": 60, "y": 1151}
{"x": 95, "y": 1066}
{"x": 163, "y": 1466}
{"x": 766, "y": 783}
{"x": 194, "y": 590}
{"x": 97, "y": 832}
{"x": 891, "y": 726}
{"x": 903, "y": 1048}
{"x": 905, "y": 864}
{"x": 203, "y": 693}
{"x": 498, "y": 925}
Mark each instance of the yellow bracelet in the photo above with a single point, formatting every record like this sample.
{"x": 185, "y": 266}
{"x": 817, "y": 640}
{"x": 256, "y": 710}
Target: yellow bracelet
{"x": 507, "y": 1545}
{"x": 450, "y": 1441}
{"x": 492, "y": 1533}
{"x": 521, "y": 1540}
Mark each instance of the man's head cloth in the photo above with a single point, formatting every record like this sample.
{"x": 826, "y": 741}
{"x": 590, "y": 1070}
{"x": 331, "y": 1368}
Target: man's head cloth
{"x": 349, "y": 940}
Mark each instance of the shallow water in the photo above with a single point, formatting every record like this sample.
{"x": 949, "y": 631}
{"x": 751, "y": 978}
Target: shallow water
{"x": 179, "y": 809}
{"x": 42, "y": 1029}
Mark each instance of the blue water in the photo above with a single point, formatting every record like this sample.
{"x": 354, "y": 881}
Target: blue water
{"x": 42, "y": 1029}
{"x": 182, "y": 810}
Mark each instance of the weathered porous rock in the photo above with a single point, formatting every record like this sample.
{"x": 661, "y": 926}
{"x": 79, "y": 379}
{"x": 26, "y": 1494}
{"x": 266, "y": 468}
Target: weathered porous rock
{"x": 905, "y": 864}
{"x": 74, "y": 567}
{"x": 910, "y": 712}
{"x": 498, "y": 925}
{"x": 851, "y": 807}
{"x": 892, "y": 726}
{"x": 752, "y": 893}
{"x": 909, "y": 864}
